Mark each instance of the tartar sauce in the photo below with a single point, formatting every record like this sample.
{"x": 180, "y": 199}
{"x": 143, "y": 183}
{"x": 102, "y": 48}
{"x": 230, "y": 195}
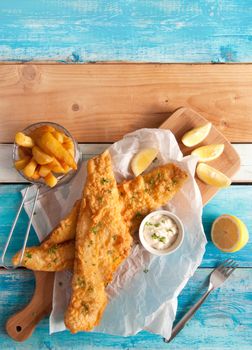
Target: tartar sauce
{"x": 160, "y": 231}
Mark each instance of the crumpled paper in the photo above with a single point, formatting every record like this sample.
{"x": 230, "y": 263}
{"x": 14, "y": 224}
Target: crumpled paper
{"x": 144, "y": 291}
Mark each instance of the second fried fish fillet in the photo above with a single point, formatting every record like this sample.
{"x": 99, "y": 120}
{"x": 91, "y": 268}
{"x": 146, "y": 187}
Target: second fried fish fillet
{"x": 102, "y": 242}
{"x": 139, "y": 197}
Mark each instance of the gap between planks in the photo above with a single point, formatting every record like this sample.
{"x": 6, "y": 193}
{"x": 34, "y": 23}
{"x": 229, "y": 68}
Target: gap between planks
{"x": 9, "y": 175}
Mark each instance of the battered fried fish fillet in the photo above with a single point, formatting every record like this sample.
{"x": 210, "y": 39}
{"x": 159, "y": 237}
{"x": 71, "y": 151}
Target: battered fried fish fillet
{"x": 57, "y": 257}
{"x": 102, "y": 242}
{"x": 139, "y": 196}
{"x": 150, "y": 191}
{"x": 56, "y": 252}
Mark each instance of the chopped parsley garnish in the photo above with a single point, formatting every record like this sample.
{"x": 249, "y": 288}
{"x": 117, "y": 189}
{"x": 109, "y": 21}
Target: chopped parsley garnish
{"x": 174, "y": 181}
{"x": 85, "y": 307}
{"x": 81, "y": 282}
{"x": 148, "y": 224}
{"x": 154, "y": 236}
{"x": 162, "y": 239}
{"x": 52, "y": 249}
{"x": 96, "y": 228}
{"x": 145, "y": 270}
{"x": 104, "y": 180}
{"x": 157, "y": 225}
{"x": 110, "y": 252}
{"x": 99, "y": 199}
{"x": 28, "y": 255}
{"x": 152, "y": 181}
{"x": 138, "y": 215}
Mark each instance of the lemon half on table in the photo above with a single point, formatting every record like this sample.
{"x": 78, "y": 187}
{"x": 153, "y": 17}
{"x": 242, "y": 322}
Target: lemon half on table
{"x": 229, "y": 233}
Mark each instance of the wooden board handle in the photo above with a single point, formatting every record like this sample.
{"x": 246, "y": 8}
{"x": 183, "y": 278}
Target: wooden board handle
{"x": 21, "y": 325}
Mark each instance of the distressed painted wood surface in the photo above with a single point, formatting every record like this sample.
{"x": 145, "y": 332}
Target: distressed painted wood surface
{"x": 82, "y": 97}
{"x": 219, "y": 324}
{"x": 76, "y": 31}
{"x": 133, "y": 30}
{"x": 9, "y": 174}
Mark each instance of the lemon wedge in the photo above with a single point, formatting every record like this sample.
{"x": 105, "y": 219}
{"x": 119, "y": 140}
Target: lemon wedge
{"x": 229, "y": 233}
{"x": 142, "y": 160}
{"x": 196, "y": 135}
{"x": 209, "y": 152}
{"x": 212, "y": 176}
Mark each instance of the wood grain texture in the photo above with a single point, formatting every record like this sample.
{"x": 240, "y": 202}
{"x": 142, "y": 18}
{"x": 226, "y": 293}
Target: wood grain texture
{"x": 234, "y": 200}
{"x": 102, "y": 102}
{"x": 133, "y": 30}
{"x": 186, "y": 119}
{"x": 219, "y": 324}
{"x": 9, "y": 175}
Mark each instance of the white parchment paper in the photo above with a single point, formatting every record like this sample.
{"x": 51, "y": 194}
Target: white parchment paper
{"x": 144, "y": 291}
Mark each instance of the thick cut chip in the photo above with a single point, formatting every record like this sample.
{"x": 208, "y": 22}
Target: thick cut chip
{"x": 48, "y": 143}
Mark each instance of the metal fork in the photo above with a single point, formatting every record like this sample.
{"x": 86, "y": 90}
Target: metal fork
{"x": 217, "y": 278}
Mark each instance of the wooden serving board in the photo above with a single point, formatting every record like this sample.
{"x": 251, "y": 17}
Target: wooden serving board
{"x": 183, "y": 120}
{"x": 21, "y": 325}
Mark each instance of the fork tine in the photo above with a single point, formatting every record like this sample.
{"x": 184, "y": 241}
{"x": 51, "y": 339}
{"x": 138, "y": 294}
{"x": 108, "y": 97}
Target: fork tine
{"x": 230, "y": 271}
{"x": 222, "y": 266}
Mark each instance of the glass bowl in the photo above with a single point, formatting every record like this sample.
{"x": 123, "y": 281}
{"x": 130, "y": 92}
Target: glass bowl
{"x": 62, "y": 178}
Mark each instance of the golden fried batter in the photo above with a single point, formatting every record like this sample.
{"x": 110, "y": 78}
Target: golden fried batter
{"x": 66, "y": 229}
{"x": 150, "y": 191}
{"x": 102, "y": 240}
{"x": 139, "y": 197}
{"x": 56, "y": 257}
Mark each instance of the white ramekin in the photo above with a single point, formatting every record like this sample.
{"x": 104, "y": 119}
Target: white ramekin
{"x": 175, "y": 246}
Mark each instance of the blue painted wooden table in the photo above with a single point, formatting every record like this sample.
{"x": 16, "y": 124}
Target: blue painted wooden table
{"x": 151, "y": 31}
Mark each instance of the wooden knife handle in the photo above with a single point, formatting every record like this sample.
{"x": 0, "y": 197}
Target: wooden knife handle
{"x": 21, "y": 325}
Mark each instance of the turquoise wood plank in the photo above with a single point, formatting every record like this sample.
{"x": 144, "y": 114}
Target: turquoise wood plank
{"x": 235, "y": 200}
{"x": 223, "y": 322}
{"x": 133, "y": 30}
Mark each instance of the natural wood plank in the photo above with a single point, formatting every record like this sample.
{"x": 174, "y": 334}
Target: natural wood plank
{"x": 9, "y": 175}
{"x": 234, "y": 200}
{"x": 222, "y": 322}
{"x": 102, "y": 102}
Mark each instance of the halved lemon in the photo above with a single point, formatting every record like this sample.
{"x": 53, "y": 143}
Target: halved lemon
{"x": 229, "y": 233}
{"x": 212, "y": 176}
{"x": 196, "y": 135}
{"x": 142, "y": 160}
{"x": 209, "y": 152}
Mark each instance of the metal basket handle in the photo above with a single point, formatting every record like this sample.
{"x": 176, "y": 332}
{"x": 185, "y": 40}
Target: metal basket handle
{"x": 13, "y": 227}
